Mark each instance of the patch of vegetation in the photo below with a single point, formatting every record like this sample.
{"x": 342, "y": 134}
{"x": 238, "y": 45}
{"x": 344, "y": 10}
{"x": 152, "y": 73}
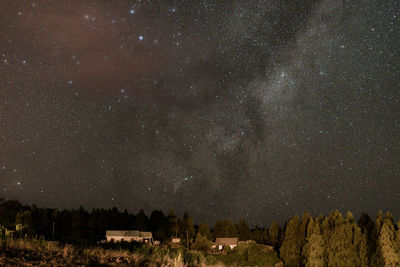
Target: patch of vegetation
{"x": 249, "y": 254}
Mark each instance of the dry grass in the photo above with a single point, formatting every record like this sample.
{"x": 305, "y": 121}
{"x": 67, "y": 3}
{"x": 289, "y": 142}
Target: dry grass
{"x": 38, "y": 252}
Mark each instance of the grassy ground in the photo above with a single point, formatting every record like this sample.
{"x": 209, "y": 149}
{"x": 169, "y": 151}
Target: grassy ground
{"x": 38, "y": 252}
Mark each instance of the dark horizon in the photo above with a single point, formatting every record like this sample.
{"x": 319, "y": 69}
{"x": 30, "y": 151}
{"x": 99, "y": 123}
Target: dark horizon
{"x": 252, "y": 110}
{"x": 251, "y": 224}
{"x": 282, "y": 224}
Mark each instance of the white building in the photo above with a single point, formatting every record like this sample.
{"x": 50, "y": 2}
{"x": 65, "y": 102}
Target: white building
{"x": 115, "y": 236}
{"x": 220, "y": 243}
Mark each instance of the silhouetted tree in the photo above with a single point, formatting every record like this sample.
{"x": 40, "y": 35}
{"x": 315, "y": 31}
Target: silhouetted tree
{"x": 225, "y": 228}
{"x": 188, "y": 228}
{"x": 158, "y": 225}
{"x": 259, "y": 235}
{"x": 8, "y": 212}
{"x": 370, "y": 235}
{"x": 172, "y": 224}
{"x": 204, "y": 230}
{"x": 142, "y": 221}
{"x": 244, "y": 232}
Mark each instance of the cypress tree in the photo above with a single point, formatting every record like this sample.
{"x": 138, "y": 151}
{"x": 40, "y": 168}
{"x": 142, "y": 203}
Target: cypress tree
{"x": 343, "y": 246}
{"x": 314, "y": 249}
{"x": 273, "y": 233}
{"x": 290, "y": 250}
{"x": 387, "y": 244}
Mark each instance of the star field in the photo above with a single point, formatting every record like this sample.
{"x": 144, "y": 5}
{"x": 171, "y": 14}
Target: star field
{"x": 247, "y": 109}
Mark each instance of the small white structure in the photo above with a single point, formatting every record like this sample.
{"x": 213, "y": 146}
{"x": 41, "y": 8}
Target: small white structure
{"x": 175, "y": 240}
{"x": 222, "y": 242}
{"x": 115, "y": 236}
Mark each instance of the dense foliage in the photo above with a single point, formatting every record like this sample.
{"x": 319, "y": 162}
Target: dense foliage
{"x": 79, "y": 225}
{"x": 335, "y": 240}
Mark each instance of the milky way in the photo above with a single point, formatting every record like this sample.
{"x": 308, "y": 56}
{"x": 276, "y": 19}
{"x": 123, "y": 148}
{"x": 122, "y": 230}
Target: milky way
{"x": 247, "y": 109}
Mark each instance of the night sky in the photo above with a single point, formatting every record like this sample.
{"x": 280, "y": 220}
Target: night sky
{"x": 225, "y": 109}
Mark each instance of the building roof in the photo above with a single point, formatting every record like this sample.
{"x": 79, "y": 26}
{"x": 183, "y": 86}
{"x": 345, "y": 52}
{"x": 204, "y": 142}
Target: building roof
{"x": 130, "y": 233}
{"x": 226, "y": 241}
{"x": 146, "y": 234}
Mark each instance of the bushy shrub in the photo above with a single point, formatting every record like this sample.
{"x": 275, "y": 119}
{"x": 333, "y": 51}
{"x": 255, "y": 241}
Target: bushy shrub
{"x": 249, "y": 254}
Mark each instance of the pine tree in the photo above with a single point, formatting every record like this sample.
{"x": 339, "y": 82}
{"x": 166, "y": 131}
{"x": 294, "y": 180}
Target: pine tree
{"x": 188, "y": 228}
{"x": 158, "y": 223}
{"x": 342, "y": 247}
{"x": 243, "y": 230}
{"x": 314, "y": 250}
{"x": 224, "y": 228}
{"x": 397, "y": 239}
{"x": 379, "y": 221}
{"x": 142, "y": 221}
{"x": 273, "y": 233}
{"x": 204, "y": 230}
{"x": 305, "y": 219}
{"x": 290, "y": 250}
{"x": 259, "y": 235}
{"x": 172, "y": 224}
{"x": 358, "y": 245}
{"x": 306, "y": 248}
{"x": 387, "y": 245}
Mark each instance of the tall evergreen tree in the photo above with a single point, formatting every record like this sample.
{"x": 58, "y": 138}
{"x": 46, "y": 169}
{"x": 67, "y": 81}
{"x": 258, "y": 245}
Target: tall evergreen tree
{"x": 305, "y": 219}
{"x": 188, "y": 228}
{"x": 306, "y": 248}
{"x": 314, "y": 249}
{"x": 397, "y": 238}
{"x": 172, "y": 224}
{"x": 204, "y": 230}
{"x": 342, "y": 246}
{"x": 158, "y": 225}
{"x": 291, "y": 248}
{"x": 244, "y": 232}
{"x": 387, "y": 244}
{"x": 224, "y": 228}
{"x": 379, "y": 221}
{"x": 368, "y": 229}
{"x": 274, "y": 233}
{"x": 259, "y": 235}
{"x": 142, "y": 221}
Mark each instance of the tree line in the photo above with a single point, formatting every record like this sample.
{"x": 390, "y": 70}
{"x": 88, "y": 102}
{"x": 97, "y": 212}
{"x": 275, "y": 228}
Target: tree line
{"x": 79, "y": 225}
{"x": 333, "y": 240}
